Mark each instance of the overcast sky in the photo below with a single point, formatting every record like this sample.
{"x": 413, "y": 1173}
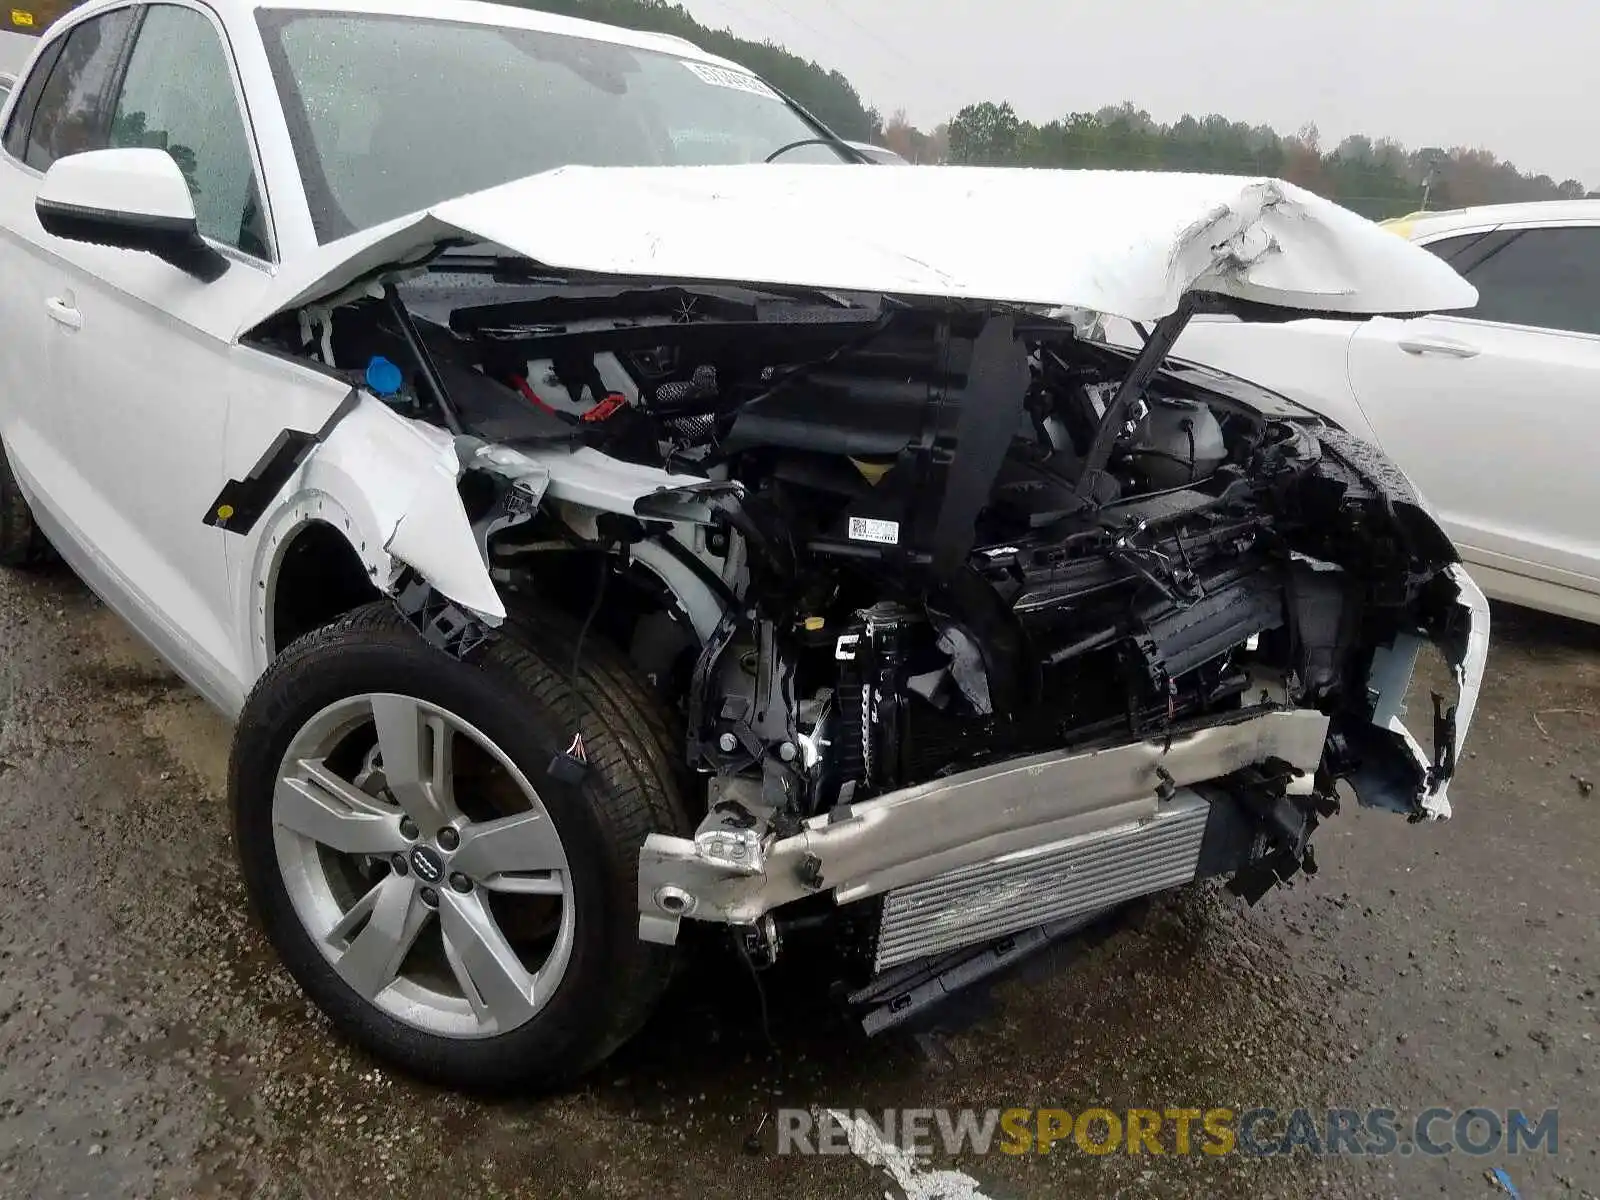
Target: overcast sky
{"x": 1518, "y": 77}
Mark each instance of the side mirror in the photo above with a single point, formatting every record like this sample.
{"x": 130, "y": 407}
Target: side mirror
{"x": 133, "y": 199}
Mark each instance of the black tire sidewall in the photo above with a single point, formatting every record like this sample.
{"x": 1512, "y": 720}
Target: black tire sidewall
{"x": 21, "y": 543}
{"x": 574, "y": 1026}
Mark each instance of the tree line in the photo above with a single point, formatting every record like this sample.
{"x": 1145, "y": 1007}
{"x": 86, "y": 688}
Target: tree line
{"x": 1377, "y": 177}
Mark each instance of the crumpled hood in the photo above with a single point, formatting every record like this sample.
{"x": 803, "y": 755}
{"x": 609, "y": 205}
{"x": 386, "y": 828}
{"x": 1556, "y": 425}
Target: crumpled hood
{"x": 1126, "y": 243}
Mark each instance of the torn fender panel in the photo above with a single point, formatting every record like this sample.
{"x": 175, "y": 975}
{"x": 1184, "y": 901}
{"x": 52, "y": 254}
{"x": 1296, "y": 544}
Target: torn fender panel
{"x": 437, "y": 540}
{"x": 1394, "y": 772}
{"x": 406, "y": 471}
{"x": 1125, "y": 243}
{"x": 389, "y": 485}
{"x": 1418, "y": 783}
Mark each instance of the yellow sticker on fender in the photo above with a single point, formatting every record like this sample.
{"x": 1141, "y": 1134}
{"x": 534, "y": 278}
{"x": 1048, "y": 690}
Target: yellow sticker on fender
{"x": 19, "y": 17}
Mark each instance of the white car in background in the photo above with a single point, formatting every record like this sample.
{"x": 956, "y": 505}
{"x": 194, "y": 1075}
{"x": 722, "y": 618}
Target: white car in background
{"x": 1493, "y": 412}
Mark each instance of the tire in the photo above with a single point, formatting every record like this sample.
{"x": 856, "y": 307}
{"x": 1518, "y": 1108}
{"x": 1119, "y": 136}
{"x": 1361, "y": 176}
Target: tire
{"x": 517, "y": 691}
{"x": 21, "y": 543}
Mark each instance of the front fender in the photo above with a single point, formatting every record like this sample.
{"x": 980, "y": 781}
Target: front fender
{"x": 388, "y": 485}
{"x": 1403, "y": 776}
{"x": 401, "y": 476}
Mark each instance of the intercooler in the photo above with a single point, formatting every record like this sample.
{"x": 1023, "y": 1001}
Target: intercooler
{"x": 1074, "y": 876}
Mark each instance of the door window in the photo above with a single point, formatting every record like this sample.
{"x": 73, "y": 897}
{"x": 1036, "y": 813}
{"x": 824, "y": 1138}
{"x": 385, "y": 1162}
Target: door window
{"x": 69, "y": 116}
{"x": 1547, "y": 278}
{"x": 16, "y": 137}
{"x": 178, "y": 96}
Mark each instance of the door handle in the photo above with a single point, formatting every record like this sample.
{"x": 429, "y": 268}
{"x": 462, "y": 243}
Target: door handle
{"x": 1448, "y": 347}
{"x": 63, "y": 313}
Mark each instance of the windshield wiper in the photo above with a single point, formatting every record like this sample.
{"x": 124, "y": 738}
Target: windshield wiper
{"x": 831, "y": 142}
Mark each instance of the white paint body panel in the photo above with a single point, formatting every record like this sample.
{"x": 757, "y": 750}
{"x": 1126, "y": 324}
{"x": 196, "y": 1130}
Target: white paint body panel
{"x": 146, "y": 182}
{"x": 1494, "y": 423}
{"x": 1502, "y": 442}
{"x": 1127, "y": 243}
{"x": 115, "y": 418}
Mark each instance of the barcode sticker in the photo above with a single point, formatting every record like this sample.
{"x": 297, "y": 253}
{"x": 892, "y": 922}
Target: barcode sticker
{"x": 740, "y": 81}
{"x": 865, "y": 529}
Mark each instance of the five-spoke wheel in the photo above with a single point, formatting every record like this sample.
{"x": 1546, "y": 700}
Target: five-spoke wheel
{"x": 432, "y": 877}
{"x": 427, "y": 878}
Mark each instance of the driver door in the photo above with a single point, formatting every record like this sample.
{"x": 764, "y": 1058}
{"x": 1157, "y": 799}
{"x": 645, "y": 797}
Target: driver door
{"x": 147, "y": 366}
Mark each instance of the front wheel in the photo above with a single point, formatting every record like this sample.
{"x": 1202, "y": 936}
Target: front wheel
{"x": 450, "y": 903}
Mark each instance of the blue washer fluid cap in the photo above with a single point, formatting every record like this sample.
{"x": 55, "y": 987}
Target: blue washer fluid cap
{"x": 383, "y": 377}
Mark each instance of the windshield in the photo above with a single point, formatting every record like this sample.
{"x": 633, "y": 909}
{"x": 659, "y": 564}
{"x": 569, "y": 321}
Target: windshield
{"x": 391, "y": 114}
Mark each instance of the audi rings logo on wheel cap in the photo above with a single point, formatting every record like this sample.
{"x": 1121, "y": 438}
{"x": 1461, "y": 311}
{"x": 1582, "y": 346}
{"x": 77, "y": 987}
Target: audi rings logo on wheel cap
{"x": 428, "y": 865}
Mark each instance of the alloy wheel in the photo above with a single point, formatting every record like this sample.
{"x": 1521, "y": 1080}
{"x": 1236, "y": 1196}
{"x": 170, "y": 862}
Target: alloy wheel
{"x": 423, "y": 865}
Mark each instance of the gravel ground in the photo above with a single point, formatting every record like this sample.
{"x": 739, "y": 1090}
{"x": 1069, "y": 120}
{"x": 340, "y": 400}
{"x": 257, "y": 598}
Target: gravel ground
{"x": 150, "y": 1046}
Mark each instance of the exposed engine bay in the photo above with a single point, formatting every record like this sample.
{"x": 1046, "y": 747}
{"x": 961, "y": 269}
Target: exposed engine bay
{"x": 882, "y": 547}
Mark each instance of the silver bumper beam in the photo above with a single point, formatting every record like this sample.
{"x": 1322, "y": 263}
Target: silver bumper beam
{"x": 918, "y": 833}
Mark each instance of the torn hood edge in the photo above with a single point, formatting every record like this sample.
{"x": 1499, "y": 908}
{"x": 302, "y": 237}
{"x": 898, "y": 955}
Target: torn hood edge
{"x": 1127, "y": 244}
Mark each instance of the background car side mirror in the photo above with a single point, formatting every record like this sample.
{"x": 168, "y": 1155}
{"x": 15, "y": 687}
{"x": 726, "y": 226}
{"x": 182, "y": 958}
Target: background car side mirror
{"x": 134, "y": 199}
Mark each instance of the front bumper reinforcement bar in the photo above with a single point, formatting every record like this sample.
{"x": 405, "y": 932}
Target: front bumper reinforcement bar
{"x": 915, "y": 834}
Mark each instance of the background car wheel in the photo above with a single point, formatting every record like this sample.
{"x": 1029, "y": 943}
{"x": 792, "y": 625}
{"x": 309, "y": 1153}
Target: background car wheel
{"x": 21, "y": 543}
{"x": 446, "y": 900}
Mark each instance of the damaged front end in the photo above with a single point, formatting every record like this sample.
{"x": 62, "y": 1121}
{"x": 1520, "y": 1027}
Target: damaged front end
{"x": 1045, "y": 838}
{"x": 977, "y": 687}
{"x": 976, "y": 627}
